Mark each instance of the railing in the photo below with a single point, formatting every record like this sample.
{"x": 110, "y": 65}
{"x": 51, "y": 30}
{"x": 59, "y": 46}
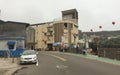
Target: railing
{"x": 68, "y": 20}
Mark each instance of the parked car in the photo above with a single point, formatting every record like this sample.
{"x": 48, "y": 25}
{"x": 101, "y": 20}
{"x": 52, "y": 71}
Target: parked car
{"x": 28, "y": 56}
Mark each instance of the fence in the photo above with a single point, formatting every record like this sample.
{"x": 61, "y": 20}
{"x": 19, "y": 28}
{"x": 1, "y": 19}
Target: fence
{"x": 112, "y": 53}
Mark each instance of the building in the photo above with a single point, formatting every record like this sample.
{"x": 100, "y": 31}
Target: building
{"x": 66, "y": 30}
{"x": 30, "y": 35}
{"x": 12, "y": 38}
{"x": 43, "y": 35}
{"x": 63, "y": 31}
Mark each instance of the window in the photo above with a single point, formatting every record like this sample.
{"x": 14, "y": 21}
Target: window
{"x": 45, "y": 33}
{"x": 65, "y": 25}
{"x": 11, "y": 44}
{"x": 48, "y": 38}
{"x": 45, "y": 42}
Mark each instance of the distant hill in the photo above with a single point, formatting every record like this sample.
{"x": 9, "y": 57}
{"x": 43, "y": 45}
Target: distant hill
{"x": 104, "y": 33}
{"x": 105, "y": 42}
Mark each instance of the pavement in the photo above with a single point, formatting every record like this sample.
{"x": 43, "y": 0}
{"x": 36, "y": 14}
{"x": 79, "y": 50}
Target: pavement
{"x": 8, "y": 66}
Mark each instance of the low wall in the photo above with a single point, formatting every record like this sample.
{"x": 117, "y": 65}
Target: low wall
{"x": 13, "y": 53}
{"x": 112, "y": 53}
{"x": 74, "y": 50}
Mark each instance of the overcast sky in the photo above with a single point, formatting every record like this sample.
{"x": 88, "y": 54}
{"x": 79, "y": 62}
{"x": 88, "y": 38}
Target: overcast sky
{"x": 92, "y": 13}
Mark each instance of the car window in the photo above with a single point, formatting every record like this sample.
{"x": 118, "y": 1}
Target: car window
{"x": 29, "y": 52}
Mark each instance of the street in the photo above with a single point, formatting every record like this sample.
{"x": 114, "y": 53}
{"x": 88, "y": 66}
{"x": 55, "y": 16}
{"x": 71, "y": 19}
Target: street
{"x": 55, "y": 63}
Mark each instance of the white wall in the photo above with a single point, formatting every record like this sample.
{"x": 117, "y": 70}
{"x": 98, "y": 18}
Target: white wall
{"x": 3, "y": 45}
{"x": 20, "y": 43}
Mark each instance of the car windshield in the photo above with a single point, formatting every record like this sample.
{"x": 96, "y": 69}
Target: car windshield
{"x": 29, "y": 52}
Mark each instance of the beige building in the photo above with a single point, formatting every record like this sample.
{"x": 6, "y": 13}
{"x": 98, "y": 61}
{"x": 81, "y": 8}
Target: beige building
{"x": 64, "y": 30}
{"x": 30, "y": 34}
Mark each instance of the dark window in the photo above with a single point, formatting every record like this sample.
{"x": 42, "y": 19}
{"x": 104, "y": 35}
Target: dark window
{"x": 11, "y": 46}
{"x": 65, "y": 25}
{"x": 45, "y": 42}
{"x": 45, "y": 33}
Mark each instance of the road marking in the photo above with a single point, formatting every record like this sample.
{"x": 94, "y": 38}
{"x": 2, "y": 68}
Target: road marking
{"x": 57, "y": 57}
{"x": 63, "y": 69}
{"x": 37, "y": 63}
{"x": 61, "y": 66}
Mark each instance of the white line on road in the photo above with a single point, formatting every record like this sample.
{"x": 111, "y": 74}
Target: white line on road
{"x": 57, "y": 57}
{"x": 63, "y": 69}
{"x": 37, "y": 63}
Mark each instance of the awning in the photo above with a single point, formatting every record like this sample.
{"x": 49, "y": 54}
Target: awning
{"x": 11, "y": 43}
{"x": 57, "y": 44}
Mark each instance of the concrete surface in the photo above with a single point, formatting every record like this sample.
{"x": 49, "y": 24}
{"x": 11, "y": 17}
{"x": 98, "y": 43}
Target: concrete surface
{"x": 8, "y": 66}
{"x": 57, "y": 63}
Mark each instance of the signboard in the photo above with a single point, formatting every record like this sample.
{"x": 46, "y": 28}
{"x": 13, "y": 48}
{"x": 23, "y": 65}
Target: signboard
{"x": 62, "y": 39}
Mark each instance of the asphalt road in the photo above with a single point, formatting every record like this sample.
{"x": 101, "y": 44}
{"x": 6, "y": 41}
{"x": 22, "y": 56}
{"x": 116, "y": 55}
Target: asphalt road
{"x": 55, "y": 63}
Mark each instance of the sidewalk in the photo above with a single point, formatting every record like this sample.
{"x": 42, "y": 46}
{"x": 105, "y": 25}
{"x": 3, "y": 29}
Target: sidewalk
{"x": 7, "y": 67}
{"x": 102, "y": 59}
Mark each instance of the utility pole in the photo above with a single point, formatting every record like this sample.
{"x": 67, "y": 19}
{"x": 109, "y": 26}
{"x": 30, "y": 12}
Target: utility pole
{"x": 0, "y": 13}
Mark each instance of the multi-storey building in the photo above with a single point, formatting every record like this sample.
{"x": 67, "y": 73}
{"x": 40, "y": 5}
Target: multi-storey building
{"x": 64, "y": 31}
{"x": 30, "y": 31}
{"x": 41, "y": 34}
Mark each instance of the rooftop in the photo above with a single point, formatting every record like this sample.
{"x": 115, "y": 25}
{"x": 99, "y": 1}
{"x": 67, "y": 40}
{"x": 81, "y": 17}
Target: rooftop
{"x": 41, "y": 23}
{"x": 69, "y": 11}
{"x": 13, "y": 22}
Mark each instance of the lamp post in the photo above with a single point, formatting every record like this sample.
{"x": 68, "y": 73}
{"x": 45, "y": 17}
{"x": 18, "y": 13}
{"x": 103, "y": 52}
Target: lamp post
{"x": 85, "y": 40}
{"x": 63, "y": 39}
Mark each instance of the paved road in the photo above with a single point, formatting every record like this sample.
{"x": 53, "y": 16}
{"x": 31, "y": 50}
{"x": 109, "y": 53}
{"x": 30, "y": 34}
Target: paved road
{"x": 55, "y": 63}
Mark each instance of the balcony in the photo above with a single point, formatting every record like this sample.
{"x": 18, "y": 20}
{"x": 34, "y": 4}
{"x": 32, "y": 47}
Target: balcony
{"x": 49, "y": 34}
{"x": 65, "y": 20}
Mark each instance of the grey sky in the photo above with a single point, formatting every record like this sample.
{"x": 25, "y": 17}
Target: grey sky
{"x": 92, "y": 13}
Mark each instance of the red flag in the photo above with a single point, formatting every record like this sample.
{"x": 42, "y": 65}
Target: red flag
{"x": 113, "y": 23}
{"x": 91, "y": 30}
{"x": 100, "y": 27}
